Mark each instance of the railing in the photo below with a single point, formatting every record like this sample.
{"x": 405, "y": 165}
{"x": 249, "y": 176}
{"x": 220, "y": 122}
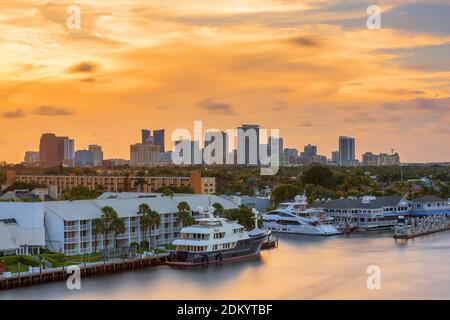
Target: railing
{"x": 71, "y": 252}
{"x": 71, "y": 240}
{"x": 86, "y": 238}
{"x": 71, "y": 228}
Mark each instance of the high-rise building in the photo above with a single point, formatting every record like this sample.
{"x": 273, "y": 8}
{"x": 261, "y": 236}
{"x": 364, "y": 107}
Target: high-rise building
{"x": 144, "y": 154}
{"x": 31, "y": 158}
{"x": 279, "y": 142}
{"x": 98, "y": 154}
{"x": 159, "y": 138}
{"x": 55, "y": 151}
{"x": 84, "y": 158}
{"x": 290, "y": 157}
{"x": 69, "y": 152}
{"x": 145, "y": 135}
{"x": 191, "y": 146}
{"x": 346, "y": 151}
{"x": 335, "y": 157}
{"x": 310, "y": 150}
{"x": 248, "y": 144}
{"x": 220, "y": 153}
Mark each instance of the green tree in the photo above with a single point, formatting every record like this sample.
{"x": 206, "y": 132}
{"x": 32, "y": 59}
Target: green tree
{"x": 184, "y": 214}
{"x": 167, "y": 192}
{"x": 318, "y": 175}
{"x": 154, "y": 221}
{"x": 118, "y": 227}
{"x": 109, "y": 215}
{"x": 144, "y": 222}
{"x": 285, "y": 192}
{"x": 149, "y": 220}
{"x": 218, "y": 209}
{"x": 80, "y": 193}
{"x": 244, "y": 216}
{"x": 97, "y": 228}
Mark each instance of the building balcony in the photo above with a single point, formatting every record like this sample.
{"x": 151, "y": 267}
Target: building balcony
{"x": 71, "y": 240}
{"x": 71, "y": 228}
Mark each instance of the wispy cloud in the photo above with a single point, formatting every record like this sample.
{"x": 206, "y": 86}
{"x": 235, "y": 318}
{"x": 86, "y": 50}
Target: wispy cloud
{"x": 48, "y": 110}
{"x": 84, "y": 67}
{"x": 210, "y": 104}
{"x": 13, "y": 114}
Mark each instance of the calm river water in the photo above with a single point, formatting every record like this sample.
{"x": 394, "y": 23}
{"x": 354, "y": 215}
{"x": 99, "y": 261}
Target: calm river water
{"x": 301, "y": 268}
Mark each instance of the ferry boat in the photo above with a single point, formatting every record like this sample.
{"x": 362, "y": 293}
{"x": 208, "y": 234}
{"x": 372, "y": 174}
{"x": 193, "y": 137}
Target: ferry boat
{"x": 214, "y": 240}
{"x": 295, "y": 217}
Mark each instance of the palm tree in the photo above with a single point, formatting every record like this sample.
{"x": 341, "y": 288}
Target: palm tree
{"x": 184, "y": 214}
{"x": 154, "y": 221}
{"x": 218, "y": 209}
{"x": 118, "y": 227}
{"x": 144, "y": 220}
{"x": 108, "y": 217}
{"x": 167, "y": 192}
{"x": 97, "y": 227}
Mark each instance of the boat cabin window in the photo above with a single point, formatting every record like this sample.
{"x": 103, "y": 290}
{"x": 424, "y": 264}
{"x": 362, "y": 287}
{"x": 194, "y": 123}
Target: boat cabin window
{"x": 219, "y": 235}
{"x": 194, "y": 236}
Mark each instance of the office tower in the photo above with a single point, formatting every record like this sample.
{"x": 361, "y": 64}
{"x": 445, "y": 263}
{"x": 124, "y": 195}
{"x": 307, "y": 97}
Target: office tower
{"x": 279, "y": 142}
{"x": 190, "y": 146}
{"x": 55, "y": 151}
{"x": 290, "y": 156}
{"x": 69, "y": 152}
{"x": 310, "y": 150}
{"x": 145, "y": 135}
{"x": 248, "y": 144}
{"x": 31, "y": 158}
{"x": 98, "y": 154}
{"x": 144, "y": 154}
{"x": 335, "y": 157}
{"x": 84, "y": 158}
{"x": 159, "y": 138}
{"x": 221, "y": 146}
{"x": 346, "y": 151}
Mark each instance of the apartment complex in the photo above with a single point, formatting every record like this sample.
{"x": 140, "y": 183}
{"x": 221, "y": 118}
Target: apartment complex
{"x": 382, "y": 159}
{"x": 68, "y": 224}
{"x": 201, "y": 185}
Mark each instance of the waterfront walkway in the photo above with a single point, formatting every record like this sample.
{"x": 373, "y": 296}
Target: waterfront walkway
{"x": 86, "y": 270}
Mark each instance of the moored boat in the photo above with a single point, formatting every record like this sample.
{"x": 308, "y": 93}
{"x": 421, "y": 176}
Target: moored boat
{"x": 215, "y": 240}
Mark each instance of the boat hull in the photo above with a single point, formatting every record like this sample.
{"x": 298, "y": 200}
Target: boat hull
{"x": 244, "y": 250}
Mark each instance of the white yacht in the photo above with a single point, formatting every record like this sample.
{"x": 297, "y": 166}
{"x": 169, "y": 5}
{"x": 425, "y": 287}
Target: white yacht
{"x": 295, "y": 217}
{"x": 216, "y": 240}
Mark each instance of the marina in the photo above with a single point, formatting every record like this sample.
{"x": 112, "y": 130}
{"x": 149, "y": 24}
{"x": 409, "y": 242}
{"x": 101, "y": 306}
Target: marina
{"x": 302, "y": 267}
{"x": 417, "y": 227}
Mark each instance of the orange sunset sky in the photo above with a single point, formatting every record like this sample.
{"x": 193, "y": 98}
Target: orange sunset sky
{"x": 310, "y": 68}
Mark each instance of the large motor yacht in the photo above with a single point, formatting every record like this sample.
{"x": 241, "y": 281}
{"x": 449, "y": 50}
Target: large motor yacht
{"x": 295, "y": 217}
{"x": 216, "y": 240}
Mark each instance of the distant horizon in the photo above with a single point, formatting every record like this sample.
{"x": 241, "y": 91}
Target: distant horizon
{"x": 312, "y": 69}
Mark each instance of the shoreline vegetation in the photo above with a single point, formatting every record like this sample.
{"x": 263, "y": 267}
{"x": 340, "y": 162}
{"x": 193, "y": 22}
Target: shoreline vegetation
{"x": 317, "y": 181}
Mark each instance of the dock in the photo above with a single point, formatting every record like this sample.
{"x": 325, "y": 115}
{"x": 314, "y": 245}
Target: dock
{"x": 270, "y": 243}
{"x": 419, "y": 234}
{"x": 417, "y": 227}
{"x": 23, "y": 279}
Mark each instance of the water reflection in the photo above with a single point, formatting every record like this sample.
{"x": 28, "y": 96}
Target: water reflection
{"x": 301, "y": 268}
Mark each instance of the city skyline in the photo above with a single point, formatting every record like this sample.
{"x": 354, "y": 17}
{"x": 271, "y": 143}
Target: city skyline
{"x": 150, "y": 151}
{"x": 310, "y": 69}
